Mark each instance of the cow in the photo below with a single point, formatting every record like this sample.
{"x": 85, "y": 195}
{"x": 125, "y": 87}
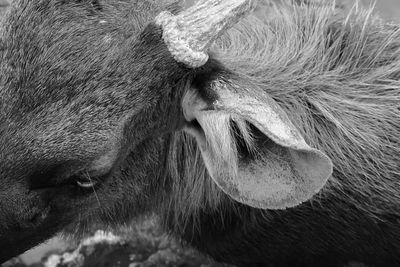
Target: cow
{"x": 258, "y": 141}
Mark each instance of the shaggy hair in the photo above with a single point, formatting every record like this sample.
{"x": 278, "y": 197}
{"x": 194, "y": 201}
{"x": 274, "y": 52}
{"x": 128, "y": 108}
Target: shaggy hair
{"x": 337, "y": 78}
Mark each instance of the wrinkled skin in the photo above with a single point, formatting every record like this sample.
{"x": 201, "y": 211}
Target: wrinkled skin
{"x": 90, "y": 89}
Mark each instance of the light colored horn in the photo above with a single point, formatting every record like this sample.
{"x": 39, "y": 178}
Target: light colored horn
{"x": 190, "y": 34}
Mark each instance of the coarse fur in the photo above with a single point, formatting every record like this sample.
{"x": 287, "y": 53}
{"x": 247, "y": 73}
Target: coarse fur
{"x": 94, "y": 80}
{"x": 338, "y": 80}
{"x": 78, "y": 82}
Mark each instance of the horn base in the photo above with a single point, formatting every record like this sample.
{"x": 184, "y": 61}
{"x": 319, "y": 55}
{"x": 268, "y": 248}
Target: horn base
{"x": 177, "y": 43}
{"x": 190, "y": 34}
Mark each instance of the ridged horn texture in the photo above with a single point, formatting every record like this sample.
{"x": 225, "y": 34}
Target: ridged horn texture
{"x": 190, "y": 34}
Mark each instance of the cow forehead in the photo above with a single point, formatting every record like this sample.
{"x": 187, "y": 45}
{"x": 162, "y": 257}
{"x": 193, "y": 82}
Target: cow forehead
{"x": 65, "y": 52}
{"x": 49, "y": 49}
{"x": 60, "y": 67}
{"x": 67, "y": 58}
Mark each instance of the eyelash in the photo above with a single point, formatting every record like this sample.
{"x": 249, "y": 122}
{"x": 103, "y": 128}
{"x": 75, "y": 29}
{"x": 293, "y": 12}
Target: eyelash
{"x": 84, "y": 180}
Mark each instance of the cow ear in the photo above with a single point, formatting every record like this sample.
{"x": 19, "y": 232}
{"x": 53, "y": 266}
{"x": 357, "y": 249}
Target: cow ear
{"x": 250, "y": 148}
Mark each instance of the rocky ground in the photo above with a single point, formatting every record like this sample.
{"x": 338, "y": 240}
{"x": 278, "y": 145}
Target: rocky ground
{"x": 142, "y": 245}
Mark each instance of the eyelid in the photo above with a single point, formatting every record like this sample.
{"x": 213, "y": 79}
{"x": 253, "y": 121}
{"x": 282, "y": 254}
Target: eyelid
{"x": 92, "y": 173}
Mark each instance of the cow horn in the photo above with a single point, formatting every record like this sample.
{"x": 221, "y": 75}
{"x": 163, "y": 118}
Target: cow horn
{"x": 191, "y": 33}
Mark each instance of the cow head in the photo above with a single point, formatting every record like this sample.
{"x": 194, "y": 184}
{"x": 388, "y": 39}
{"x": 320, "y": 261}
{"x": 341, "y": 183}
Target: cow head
{"x": 85, "y": 84}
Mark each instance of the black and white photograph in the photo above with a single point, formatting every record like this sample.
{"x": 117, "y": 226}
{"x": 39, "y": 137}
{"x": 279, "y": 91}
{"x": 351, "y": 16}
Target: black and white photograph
{"x": 200, "y": 133}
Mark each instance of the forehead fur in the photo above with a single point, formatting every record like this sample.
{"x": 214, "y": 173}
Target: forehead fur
{"x": 68, "y": 73}
{"x": 61, "y": 48}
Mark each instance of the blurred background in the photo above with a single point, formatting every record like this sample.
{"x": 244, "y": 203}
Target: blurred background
{"x": 387, "y": 9}
{"x": 143, "y": 243}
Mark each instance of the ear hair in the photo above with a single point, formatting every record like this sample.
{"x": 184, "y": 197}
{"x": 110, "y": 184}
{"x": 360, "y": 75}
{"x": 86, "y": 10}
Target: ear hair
{"x": 225, "y": 134}
{"x": 193, "y": 188}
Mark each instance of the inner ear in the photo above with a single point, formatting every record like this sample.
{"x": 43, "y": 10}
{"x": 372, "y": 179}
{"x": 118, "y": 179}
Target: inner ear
{"x": 251, "y": 149}
{"x": 245, "y": 151}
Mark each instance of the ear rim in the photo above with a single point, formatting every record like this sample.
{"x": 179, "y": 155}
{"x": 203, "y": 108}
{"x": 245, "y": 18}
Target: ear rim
{"x": 269, "y": 203}
{"x": 295, "y": 199}
{"x": 297, "y": 145}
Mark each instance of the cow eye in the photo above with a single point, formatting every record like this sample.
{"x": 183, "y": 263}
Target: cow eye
{"x": 84, "y": 180}
{"x": 58, "y": 176}
{"x": 87, "y": 179}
